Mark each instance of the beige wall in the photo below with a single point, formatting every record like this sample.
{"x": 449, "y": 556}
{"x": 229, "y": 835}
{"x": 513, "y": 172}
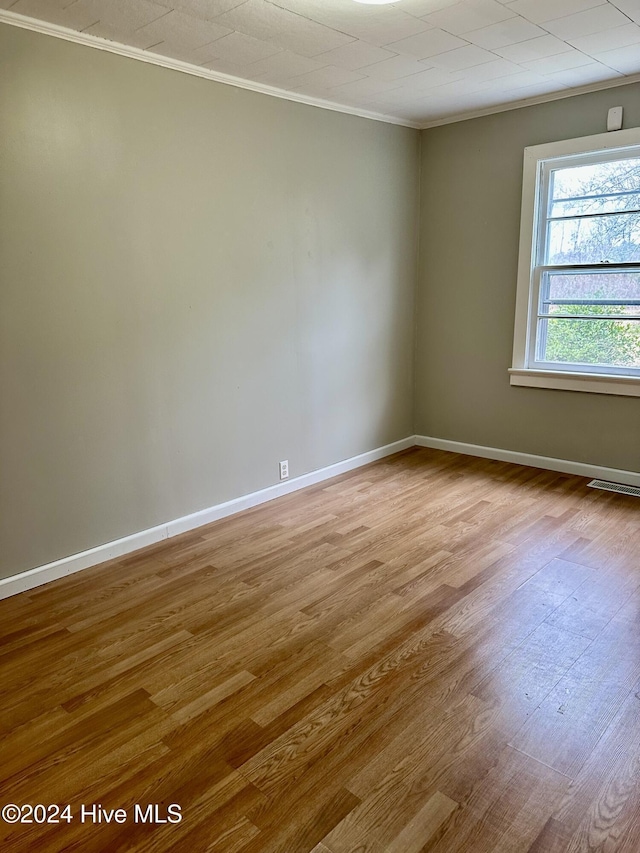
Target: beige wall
{"x": 197, "y": 281}
{"x": 471, "y": 190}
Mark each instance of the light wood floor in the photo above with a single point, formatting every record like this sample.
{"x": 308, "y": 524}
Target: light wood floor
{"x": 433, "y": 653}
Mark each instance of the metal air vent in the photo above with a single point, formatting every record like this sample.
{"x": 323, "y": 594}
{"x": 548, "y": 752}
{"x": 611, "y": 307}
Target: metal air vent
{"x": 615, "y": 487}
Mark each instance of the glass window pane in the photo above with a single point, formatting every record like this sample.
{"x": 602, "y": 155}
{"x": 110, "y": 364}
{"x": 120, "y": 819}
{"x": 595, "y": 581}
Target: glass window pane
{"x": 586, "y": 285}
{"x": 596, "y": 188}
{"x": 613, "y": 343}
{"x": 596, "y": 240}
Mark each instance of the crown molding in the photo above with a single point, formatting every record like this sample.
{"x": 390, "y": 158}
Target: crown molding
{"x": 88, "y": 40}
{"x": 55, "y": 30}
{"x": 614, "y": 83}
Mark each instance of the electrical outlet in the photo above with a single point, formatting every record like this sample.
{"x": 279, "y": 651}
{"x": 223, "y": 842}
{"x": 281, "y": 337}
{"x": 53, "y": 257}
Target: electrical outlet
{"x": 284, "y": 470}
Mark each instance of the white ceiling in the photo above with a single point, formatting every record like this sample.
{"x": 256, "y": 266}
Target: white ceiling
{"x": 419, "y": 61}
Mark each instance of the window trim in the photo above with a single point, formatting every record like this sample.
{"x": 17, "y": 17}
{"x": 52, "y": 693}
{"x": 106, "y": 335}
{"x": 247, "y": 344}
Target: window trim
{"x": 526, "y": 307}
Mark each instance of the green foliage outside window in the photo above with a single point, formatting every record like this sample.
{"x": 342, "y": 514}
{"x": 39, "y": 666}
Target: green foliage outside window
{"x": 612, "y": 342}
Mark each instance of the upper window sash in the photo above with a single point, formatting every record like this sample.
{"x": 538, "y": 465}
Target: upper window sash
{"x": 545, "y": 201}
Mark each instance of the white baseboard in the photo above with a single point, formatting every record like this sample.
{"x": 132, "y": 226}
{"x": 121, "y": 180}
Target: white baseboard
{"x": 565, "y": 466}
{"x": 118, "y": 548}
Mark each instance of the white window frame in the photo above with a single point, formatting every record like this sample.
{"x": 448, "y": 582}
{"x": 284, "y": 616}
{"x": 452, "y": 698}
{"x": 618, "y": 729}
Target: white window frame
{"x": 537, "y": 167}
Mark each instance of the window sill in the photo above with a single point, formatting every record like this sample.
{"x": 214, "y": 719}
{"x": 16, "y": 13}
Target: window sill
{"x": 593, "y": 383}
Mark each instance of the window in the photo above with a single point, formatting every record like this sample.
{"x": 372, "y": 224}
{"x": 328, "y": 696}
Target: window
{"x": 578, "y": 301}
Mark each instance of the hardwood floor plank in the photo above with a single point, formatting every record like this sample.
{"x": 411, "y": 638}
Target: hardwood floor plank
{"x": 422, "y": 827}
{"x": 506, "y": 809}
{"x": 533, "y": 669}
{"x": 569, "y": 722}
{"x": 554, "y": 837}
{"x": 589, "y": 608}
{"x": 561, "y": 577}
{"x": 315, "y": 817}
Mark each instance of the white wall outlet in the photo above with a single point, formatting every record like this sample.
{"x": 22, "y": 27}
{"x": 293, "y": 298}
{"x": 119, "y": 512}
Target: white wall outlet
{"x": 284, "y": 470}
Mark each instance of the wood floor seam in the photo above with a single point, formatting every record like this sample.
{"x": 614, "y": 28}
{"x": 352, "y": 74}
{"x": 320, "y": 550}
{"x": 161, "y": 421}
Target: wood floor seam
{"x": 537, "y": 760}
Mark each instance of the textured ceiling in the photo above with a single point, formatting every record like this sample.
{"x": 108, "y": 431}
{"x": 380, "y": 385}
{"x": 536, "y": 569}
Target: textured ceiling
{"x": 419, "y": 61}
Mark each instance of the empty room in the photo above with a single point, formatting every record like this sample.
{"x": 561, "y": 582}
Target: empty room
{"x": 320, "y": 426}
